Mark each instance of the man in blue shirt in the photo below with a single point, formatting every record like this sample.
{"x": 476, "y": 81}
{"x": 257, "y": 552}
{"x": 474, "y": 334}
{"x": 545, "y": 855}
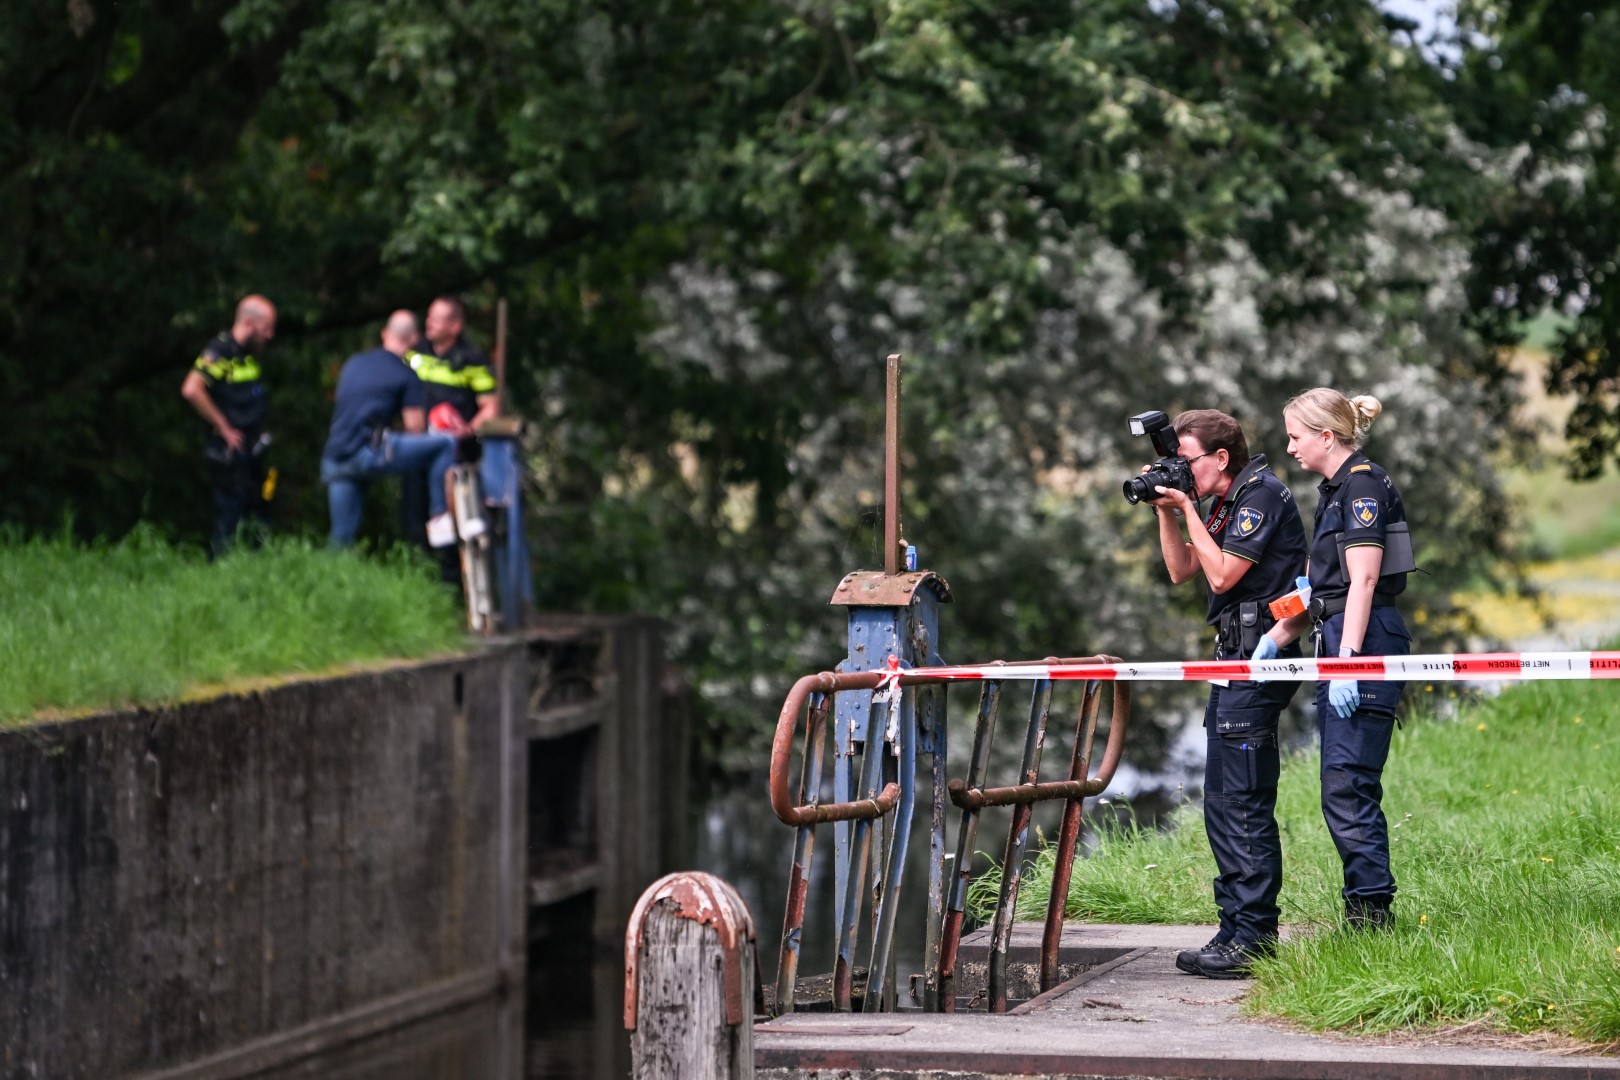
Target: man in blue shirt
{"x": 374, "y": 388}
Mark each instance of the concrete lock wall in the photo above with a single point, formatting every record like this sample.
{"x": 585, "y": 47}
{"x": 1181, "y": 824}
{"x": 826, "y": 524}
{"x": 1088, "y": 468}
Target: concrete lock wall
{"x": 186, "y": 890}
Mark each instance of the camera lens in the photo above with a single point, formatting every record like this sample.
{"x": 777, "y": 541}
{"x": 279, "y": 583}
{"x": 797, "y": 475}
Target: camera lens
{"x": 1137, "y": 488}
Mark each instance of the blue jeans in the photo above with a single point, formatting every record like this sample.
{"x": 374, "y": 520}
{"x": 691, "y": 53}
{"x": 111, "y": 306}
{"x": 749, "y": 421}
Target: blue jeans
{"x": 346, "y": 480}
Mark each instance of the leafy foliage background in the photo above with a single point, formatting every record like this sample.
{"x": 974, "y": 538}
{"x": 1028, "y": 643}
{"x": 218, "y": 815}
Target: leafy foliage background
{"x": 714, "y": 220}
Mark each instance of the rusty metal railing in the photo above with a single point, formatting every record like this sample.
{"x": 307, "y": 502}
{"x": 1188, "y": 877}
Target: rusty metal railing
{"x": 812, "y": 696}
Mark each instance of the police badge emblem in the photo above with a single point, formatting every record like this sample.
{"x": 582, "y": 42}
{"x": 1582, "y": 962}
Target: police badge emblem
{"x": 1248, "y": 520}
{"x": 1365, "y": 511}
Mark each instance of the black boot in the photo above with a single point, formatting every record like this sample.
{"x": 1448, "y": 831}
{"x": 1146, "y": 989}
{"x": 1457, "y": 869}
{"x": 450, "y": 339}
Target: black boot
{"x": 1187, "y": 959}
{"x": 1369, "y": 913}
{"x": 1234, "y": 959}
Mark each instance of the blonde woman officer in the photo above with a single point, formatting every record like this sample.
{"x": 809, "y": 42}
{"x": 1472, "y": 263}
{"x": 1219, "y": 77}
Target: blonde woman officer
{"x": 1358, "y": 557}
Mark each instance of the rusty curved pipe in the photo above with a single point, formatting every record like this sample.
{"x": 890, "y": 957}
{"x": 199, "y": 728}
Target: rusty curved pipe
{"x": 829, "y": 682}
{"x": 1019, "y": 794}
{"x": 969, "y": 799}
{"x": 826, "y": 682}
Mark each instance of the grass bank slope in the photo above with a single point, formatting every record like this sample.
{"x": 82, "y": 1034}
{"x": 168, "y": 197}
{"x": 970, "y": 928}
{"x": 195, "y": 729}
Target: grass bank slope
{"x": 144, "y": 622}
{"x": 1506, "y": 845}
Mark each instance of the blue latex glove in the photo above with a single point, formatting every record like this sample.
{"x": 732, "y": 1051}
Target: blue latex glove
{"x": 1344, "y": 697}
{"x": 1266, "y": 650}
{"x": 1302, "y": 582}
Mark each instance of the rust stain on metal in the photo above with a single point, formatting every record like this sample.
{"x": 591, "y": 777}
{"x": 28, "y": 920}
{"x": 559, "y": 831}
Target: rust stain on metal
{"x": 969, "y": 795}
{"x": 1069, "y": 833}
{"x": 704, "y": 899}
{"x": 873, "y": 588}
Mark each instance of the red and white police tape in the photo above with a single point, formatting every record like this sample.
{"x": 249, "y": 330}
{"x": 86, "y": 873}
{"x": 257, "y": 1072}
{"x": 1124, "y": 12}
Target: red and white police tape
{"x": 1435, "y": 667}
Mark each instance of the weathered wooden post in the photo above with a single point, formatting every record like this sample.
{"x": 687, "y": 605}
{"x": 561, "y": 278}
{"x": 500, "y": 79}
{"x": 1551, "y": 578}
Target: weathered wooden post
{"x": 689, "y": 985}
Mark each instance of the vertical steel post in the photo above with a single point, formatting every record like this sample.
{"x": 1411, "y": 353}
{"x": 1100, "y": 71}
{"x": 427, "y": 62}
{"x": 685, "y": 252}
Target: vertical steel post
{"x": 804, "y": 845}
{"x": 1068, "y": 836}
{"x": 894, "y": 612}
{"x": 891, "y": 469}
{"x": 932, "y": 721}
{"x": 860, "y": 855}
{"x": 1012, "y": 865}
{"x": 501, "y": 479}
{"x": 956, "y": 902}
{"x": 887, "y": 902}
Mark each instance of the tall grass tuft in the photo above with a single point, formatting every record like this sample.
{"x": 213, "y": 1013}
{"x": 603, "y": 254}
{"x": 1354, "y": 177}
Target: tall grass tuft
{"x": 142, "y": 621}
{"x": 1505, "y": 830}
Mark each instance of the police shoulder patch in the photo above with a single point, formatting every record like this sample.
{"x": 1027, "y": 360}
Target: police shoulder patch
{"x": 1248, "y": 520}
{"x": 1361, "y": 468}
{"x": 1365, "y": 512}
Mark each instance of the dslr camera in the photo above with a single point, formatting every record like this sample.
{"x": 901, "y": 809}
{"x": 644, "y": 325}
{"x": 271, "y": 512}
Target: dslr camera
{"x": 1170, "y": 471}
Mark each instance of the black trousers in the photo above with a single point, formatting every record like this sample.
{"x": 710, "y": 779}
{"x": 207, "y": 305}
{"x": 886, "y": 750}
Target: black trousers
{"x": 238, "y": 492}
{"x": 1240, "y": 804}
{"x": 1354, "y": 750}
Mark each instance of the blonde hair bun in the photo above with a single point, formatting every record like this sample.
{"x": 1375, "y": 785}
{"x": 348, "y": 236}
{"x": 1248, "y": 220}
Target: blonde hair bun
{"x": 1367, "y": 409}
{"x": 1367, "y": 406}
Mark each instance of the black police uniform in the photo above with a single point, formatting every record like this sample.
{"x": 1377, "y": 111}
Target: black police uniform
{"x": 459, "y": 377}
{"x": 235, "y": 385}
{"x": 1358, "y": 503}
{"x": 1257, "y": 520}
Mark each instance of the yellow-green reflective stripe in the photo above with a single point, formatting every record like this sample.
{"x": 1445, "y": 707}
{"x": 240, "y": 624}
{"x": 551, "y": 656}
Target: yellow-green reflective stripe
{"x": 476, "y": 379}
{"x": 437, "y": 373}
{"x": 226, "y": 370}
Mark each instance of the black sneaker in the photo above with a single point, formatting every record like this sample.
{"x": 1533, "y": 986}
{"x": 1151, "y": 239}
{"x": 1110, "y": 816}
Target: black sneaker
{"x": 1187, "y": 959}
{"x": 1233, "y": 959}
{"x": 1362, "y": 914}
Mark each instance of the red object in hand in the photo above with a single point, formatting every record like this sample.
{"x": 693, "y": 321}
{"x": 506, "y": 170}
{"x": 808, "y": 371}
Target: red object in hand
{"x": 444, "y": 417}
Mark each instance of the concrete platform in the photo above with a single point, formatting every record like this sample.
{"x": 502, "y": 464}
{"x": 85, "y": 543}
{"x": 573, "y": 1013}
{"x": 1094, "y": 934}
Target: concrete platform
{"x": 1130, "y": 1014}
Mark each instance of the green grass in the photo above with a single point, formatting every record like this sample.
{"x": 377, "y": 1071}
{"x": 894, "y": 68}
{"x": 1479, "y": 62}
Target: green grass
{"x": 144, "y": 622}
{"x": 1506, "y": 845}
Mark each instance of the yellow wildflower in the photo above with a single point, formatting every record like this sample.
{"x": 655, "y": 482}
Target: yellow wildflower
{"x": 1480, "y": 728}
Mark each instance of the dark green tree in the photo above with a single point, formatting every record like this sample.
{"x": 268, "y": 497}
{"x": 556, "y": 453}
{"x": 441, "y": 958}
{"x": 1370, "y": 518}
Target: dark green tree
{"x": 713, "y": 221}
{"x": 1537, "y": 83}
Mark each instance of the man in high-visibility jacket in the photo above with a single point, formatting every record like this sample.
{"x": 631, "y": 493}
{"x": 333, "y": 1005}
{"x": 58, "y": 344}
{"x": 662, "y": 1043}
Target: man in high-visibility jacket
{"x": 456, "y": 372}
{"x": 226, "y": 387}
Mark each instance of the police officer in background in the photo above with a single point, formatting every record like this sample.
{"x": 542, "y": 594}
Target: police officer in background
{"x": 1249, "y": 550}
{"x": 226, "y": 387}
{"x": 455, "y": 372}
{"x": 1360, "y": 554}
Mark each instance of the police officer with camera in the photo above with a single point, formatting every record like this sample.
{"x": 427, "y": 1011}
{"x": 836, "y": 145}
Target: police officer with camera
{"x": 1360, "y": 556}
{"x": 1250, "y": 550}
